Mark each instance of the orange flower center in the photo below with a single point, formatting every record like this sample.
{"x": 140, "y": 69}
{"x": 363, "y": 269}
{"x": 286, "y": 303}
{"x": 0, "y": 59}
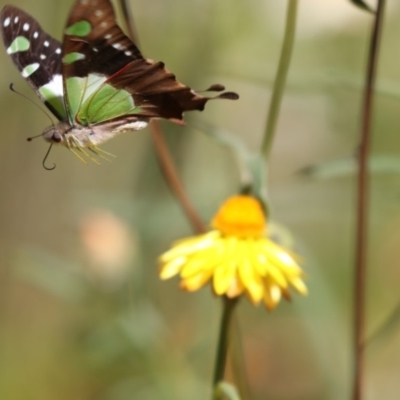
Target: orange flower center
{"x": 241, "y": 216}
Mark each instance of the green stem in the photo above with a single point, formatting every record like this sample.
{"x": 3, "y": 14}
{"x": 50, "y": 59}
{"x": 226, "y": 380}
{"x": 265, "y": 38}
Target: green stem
{"x": 280, "y": 79}
{"x": 363, "y": 205}
{"x": 240, "y": 375}
{"x": 222, "y": 349}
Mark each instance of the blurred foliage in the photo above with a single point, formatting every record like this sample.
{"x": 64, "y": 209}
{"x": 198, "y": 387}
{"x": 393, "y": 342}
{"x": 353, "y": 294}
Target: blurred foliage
{"x": 78, "y": 326}
{"x": 361, "y": 4}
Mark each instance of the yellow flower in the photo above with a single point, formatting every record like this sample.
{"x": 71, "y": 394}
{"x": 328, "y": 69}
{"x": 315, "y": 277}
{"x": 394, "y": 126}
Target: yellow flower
{"x": 236, "y": 257}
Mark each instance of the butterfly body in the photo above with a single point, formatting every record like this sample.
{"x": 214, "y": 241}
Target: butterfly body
{"x": 86, "y": 136}
{"x": 96, "y": 82}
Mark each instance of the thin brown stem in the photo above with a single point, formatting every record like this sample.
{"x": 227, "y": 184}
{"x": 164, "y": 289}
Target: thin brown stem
{"x": 363, "y": 205}
{"x": 164, "y": 157}
{"x": 172, "y": 178}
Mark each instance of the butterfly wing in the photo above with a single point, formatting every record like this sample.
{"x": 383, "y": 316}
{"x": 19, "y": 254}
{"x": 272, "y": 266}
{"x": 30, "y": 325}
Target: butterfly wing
{"x": 37, "y": 56}
{"x": 106, "y": 77}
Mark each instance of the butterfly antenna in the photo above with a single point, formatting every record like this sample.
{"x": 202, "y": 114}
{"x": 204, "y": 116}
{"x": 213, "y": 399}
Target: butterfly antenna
{"x": 33, "y": 137}
{"x": 45, "y": 159}
{"x": 31, "y": 101}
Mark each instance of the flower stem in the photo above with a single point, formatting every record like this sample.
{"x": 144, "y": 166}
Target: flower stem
{"x": 280, "y": 79}
{"x": 167, "y": 164}
{"x": 222, "y": 349}
{"x": 362, "y": 205}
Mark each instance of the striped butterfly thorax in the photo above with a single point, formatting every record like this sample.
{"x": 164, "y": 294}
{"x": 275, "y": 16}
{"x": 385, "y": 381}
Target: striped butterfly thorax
{"x": 96, "y": 82}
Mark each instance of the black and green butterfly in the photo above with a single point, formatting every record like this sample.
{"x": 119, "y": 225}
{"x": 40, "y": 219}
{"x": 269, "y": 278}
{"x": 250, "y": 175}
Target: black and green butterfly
{"x": 96, "y": 82}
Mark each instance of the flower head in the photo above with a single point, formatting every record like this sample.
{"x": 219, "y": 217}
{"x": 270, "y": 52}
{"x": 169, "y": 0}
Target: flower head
{"x": 237, "y": 257}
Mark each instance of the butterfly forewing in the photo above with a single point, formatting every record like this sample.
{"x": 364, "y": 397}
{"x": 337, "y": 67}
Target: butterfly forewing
{"x": 36, "y": 54}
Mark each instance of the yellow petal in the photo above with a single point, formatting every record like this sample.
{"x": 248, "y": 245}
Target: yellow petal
{"x": 278, "y": 256}
{"x": 236, "y": 288}
{"x": 195, "y": 282}
{"x": 251, "y": 281}
{"x": 172, "y": 268}
{"x": 299, "y": 285}
{"x": 223, "y": 278}
{"x": 275, "y": 274}
{"x": 188, "y": 246}
{"x": 272, "y": 295}
{"x": 258, "y": 259}
{"x": 203, "y": 260}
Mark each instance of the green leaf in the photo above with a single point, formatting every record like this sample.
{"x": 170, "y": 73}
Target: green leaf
{"x": 226, "y": 389}
{"x": 363, "y": 5}
{"x": 345, "y": 167}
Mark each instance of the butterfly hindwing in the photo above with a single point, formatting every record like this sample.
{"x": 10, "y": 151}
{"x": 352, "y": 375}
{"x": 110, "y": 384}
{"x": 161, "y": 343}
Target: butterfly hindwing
{"x": 95, "y": 49}
{"x": 106, "y": 77}
{"x": 36, "y": 54}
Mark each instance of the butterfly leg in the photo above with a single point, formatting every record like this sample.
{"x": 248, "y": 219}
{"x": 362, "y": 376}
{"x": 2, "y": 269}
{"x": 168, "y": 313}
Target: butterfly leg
{"x": 94, "y": 150}
{"x": 97, "y": 150}
{"x": 81, "y": 149}
{"x": 75, "y": 153}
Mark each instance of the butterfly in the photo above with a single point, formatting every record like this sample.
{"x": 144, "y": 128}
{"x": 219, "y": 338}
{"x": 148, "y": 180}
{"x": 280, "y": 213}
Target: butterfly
{"x": 96, "y": 82}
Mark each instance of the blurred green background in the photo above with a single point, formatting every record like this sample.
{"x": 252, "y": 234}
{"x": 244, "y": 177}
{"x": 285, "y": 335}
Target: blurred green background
{"x": 83, "y": 314}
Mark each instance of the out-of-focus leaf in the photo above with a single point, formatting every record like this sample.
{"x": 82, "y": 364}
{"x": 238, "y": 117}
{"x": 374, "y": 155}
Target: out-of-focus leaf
{"x": 362, "y": 4}
{"x": 244, "y": 158}
{"x": 388, "y": 327}
{"x": 257, "y": 167}
{"x": 52, "y": 273}
{"x": 224, "y": 138}
{"x": 251, "y": 166}
{"x": 228, "y": 390}
{"x": 337, "y": 77}
{"x": 344, "y": 167}
{"x": 324, "y": 81}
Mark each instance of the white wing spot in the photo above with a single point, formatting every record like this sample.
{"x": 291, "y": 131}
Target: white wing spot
{"x": 108, "y": 36}
{"x": 42, "y": 56}
{"x": 55, "y": 86}
{"x": 30, "y": 69}
{"x": 58, "y": 51}
{"x": 36, "y": 35}
{"x": 6, "y": 22}
{"x": 98, "y": 13}
{"x": 128, "y": 53}
{"x": 26, "y": 26}
{"x": 117, "y": 46}
{"x": 16, "y": 19}
{"x": 103, "y": 24}
{"x": 46, "y": 43}
{"x": 95, "y": 49}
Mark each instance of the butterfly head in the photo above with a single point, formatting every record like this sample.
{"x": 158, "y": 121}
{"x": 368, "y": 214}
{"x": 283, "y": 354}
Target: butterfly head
{"x": 55, "y": 133}
{"x": 52, "y": 135}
